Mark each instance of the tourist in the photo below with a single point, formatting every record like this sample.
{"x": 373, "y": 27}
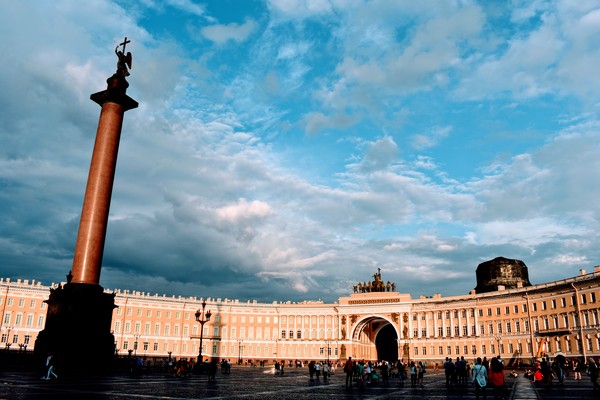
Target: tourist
{"x": 385, "y": 373}
{"x": 325, "y": 371}
{"x": 413, "y": 374}
{"x": 50, "y": 368}
{"x": 420, "y": 373}
{"x": 496, "y": 377}
{"x": 318, "y": 370}
{"x": 311, "y": 370}
{"x": 348, "y": 371}
{"x": 479, "y": 378}
{"x": 449, "y": 371}
{"x": 577, "y": 367}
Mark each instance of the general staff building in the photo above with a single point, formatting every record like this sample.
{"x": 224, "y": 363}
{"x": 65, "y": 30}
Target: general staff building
{"x": 504, "y": 315}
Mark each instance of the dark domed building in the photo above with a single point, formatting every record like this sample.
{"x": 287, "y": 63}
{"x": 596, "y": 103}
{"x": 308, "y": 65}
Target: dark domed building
{"x": 501, "y": 273}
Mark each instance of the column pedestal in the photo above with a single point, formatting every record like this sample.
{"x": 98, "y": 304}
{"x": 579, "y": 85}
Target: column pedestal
{"x": 77, "y": 330}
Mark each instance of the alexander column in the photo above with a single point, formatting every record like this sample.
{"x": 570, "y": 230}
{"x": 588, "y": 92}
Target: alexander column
{"x": 78, "y": 322}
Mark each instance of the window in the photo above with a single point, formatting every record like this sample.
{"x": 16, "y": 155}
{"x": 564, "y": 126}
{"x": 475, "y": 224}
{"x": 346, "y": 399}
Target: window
{"x": 416, "y": 351}
{"x": 508, "y": 328}
{"x": 145, "y": 346}
{"x": 424, "y": 332}
{"x": 448, "y": 331}
{"x": 299, "y": 334}
{"x": 27, "y": 339}
{"x": 215, "y": 331}
{"x": 283, "y": 332}
{"x": 155, "y": 346}
{"x": 483, "y": 349}
{"x": 32, "y": 304}
{"x": 563, "y": 302}
{"x": 456, "y": 331}
{"x": 544, "y": 305}
{"x": 440, "y": 350}
{"x": 139, "y": 312}
{"x": 534, "y": 306}
{"x": 583, "y": 299}
{"x": 440, "y": 331}
{"x": 497, "y": 310}
{"x": 516, "y": 309}
{"x": 507, "y": 310}
{"x": 489, "y": 312}
{"x": 553, "y": 303}
{"x": 10, "y": 301}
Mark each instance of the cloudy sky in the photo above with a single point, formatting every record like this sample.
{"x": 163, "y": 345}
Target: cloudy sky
{"x": 286, "y": 149}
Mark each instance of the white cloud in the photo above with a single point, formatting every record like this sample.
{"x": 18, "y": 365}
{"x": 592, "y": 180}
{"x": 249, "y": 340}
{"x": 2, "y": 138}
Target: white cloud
{"x": 243, "y": 210}
{"x": 221, "y": 34}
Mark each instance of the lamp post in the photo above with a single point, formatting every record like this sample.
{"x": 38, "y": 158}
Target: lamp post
{"x": 135, "y": 345}
{"x": 8, "y": 343}
{"x": 240, "y": 341}
{"x": 328, "y": 343}
{"x": 498, "y": 338}
{"x": 202, "y": 317}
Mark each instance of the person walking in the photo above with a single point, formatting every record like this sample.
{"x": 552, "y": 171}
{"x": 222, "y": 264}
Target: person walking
{"x": 496, "y": 377}
{"x": 50, "y": 368}
{"x": 348, "y": 370}
{"x": 479, "y": 378}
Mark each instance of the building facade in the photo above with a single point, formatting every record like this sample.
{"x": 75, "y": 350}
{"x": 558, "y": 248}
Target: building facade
{"x": 520, "y": 324}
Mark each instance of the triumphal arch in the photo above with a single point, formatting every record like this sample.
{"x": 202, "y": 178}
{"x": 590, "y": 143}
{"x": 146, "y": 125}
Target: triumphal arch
{"x": 374, "y": 321}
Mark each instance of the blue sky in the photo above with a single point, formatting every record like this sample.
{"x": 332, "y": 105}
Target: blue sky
{"x": 286, "y": 149}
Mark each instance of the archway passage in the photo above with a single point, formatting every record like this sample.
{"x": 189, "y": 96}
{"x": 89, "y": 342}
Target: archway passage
{"x": 386, "y": 343}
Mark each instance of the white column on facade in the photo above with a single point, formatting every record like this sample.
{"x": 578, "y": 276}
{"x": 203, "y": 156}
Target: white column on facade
{"x": 468, "y": 311}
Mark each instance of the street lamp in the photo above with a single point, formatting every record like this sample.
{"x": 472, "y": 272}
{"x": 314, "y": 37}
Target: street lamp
{"x": 498, "y": 338}
{"x": 328, "y": 343}
{"x": 135, "y": 345}
{"x": 8, "y": 342}
{"x": 202, "y": 318}
{"x": 240, "y": 341}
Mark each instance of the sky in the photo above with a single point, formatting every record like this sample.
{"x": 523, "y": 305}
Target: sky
{"x": 284, "y": 150}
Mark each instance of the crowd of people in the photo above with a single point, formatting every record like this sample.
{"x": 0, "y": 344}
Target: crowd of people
{"x": 547, "y": 372}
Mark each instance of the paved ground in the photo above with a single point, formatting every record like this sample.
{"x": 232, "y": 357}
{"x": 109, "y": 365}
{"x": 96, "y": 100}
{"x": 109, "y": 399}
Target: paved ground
{"x": 257, "y": 383}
